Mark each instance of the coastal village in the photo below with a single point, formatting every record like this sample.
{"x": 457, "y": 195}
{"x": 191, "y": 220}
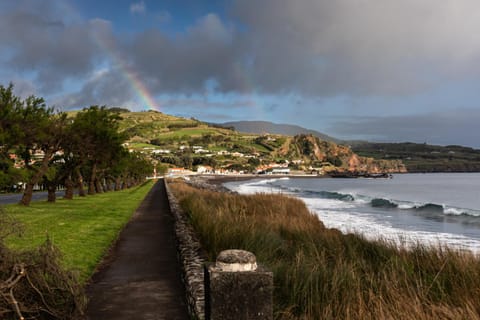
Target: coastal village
{"x": 181, "y": 146}
{"x": 269, "y": 168}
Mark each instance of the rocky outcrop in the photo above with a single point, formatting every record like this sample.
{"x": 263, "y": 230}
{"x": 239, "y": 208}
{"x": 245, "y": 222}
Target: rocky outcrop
{"x": 318, "y": 153}
{"x": 370, "y": 165}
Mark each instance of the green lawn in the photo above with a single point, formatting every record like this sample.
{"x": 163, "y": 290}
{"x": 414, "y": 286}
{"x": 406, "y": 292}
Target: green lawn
{"x": 83, "y": 228}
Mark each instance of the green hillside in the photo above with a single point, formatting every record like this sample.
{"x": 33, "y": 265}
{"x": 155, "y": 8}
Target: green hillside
{"x": 155, "y": 129}
{"x": 176, "y": 141}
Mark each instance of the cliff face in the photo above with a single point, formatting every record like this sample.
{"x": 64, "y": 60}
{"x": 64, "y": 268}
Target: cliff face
{"x": 370, "y": 165}
{"x": 320, "y": 153}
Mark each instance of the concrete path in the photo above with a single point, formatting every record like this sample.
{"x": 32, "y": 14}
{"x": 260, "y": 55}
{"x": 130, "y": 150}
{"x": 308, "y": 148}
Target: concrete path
{"x": 141, "y": 278}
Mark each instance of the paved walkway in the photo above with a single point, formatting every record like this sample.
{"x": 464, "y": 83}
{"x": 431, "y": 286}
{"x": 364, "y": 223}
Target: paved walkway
{"x": 142, "y": 277}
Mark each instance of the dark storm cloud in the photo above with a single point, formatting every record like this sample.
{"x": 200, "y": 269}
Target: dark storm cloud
{"x": 185, "y": 62}
{"x": 204, "y": 103}
{"x": 273, "y": 47}
{"x": 38, "y": 41}
{"x": 359, "y": 47}
{"x": 442, "y": 128}
{"x": 106, "y": 87}
{"x": 318, "y": 48}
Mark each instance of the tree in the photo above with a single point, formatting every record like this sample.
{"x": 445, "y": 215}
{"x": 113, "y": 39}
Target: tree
{"x": 74, "y": 157}
{"x": 96, "y": 130}
{"x": 30, "y": 126}
{"x": 9, "y": 124}
{"x": 119, "y": 169}
{"x": 44, "y": 131}
{"x": 9, "y": 129}
{"x": 187, "y": 160}
{"x": 130, "y": 169}
{"x": 253, "y": 163}
{"x": 10, "y": 177}
{"x": 51, "y": 180}
{"x": 336, "y": 161}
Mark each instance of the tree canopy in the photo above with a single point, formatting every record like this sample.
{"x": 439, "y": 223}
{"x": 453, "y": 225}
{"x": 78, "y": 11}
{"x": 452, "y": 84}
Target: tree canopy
{"x": 39, "y": 145}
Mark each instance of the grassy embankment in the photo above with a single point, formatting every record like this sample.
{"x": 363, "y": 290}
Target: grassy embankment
{"x": 321, "y": 274}
{"x": 83, "y": 228}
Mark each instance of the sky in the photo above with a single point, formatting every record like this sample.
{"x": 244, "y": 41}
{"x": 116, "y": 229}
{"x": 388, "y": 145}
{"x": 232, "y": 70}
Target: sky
{"x": 375, "y": 70}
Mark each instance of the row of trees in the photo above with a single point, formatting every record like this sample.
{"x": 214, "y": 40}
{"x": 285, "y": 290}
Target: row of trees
{"x": 86, "y": 149}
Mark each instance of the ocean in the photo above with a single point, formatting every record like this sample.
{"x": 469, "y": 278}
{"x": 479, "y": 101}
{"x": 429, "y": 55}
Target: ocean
{"x": 431, "y": 209}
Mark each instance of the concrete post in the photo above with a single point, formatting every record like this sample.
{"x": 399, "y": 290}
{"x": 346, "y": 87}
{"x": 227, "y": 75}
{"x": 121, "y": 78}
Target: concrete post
{"x": 237, "y": 288}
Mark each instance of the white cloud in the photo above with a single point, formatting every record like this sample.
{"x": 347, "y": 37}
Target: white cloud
{"x": 138, "y": 8}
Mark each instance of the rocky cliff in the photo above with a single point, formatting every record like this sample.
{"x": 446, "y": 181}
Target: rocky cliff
{"x": 333, "y": 157}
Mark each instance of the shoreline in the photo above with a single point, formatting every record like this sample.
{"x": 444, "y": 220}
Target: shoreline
{"x": 221, "y": 179}
{"x": 215, "y": 182}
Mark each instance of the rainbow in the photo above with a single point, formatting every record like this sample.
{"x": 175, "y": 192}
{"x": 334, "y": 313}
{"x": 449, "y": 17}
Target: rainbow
{"x": 141, "y": 90}
{"x": 147, "y": 100}
{"x": 138, "y": 86}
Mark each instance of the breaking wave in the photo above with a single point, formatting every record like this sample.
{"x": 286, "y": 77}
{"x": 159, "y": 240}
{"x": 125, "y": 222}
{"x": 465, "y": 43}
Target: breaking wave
{"x": 431, "y": 209}
{"x": 375, "y": 212}
{"x": 384, "y": 203}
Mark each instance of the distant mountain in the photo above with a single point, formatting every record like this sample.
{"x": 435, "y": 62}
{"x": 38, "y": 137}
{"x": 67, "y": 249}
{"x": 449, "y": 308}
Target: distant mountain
{"x": 260, "y": 127}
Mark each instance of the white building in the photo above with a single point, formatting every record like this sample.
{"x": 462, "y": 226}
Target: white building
{"x": 280, "y": 171}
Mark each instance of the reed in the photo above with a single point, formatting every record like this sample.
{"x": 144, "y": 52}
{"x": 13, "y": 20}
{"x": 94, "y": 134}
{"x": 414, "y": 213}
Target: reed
{"x": 320, "y": 273}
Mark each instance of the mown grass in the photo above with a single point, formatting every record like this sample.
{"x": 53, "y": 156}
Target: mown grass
{"x": 83, "y": 228}
{"x": 320, "y": 273}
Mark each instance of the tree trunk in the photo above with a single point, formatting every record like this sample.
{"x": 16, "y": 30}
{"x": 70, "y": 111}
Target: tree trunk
{"x": 27, "y": 195}
{"x": 125, "y": 183}
{"x": 69, "y": 188}
{"x": 108, "y": 185}
{"x": 93, "y": 177}
{"x": 81, "y": 189}
{"x": 51, "y": 192}
{"x": 98, "y": 186}
{"x": 118, "y": 183}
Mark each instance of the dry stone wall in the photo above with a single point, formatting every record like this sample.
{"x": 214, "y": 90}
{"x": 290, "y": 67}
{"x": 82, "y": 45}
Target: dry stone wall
{"x": 192, "y": 257}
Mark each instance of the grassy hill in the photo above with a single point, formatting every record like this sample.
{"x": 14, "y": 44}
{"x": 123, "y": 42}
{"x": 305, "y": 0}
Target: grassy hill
{"x": 189, "y": 142}
{"x": 155, "y": 129}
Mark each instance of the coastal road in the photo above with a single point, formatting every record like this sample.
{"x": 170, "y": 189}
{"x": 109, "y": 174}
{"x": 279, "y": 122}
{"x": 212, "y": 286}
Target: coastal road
{"x": 15, "y": 197}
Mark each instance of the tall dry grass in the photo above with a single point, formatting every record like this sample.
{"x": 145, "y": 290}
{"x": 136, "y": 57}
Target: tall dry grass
{"x": 320, "y": 273}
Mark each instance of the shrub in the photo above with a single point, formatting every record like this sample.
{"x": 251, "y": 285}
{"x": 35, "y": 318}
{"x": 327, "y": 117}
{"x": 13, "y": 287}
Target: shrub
{"x": 33, "y": 284}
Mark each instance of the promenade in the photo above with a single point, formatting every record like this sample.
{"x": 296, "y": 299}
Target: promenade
{"x": 140, "y": 278}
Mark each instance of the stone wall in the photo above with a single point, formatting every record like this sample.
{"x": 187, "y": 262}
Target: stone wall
{"x": 192, "y": 257}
